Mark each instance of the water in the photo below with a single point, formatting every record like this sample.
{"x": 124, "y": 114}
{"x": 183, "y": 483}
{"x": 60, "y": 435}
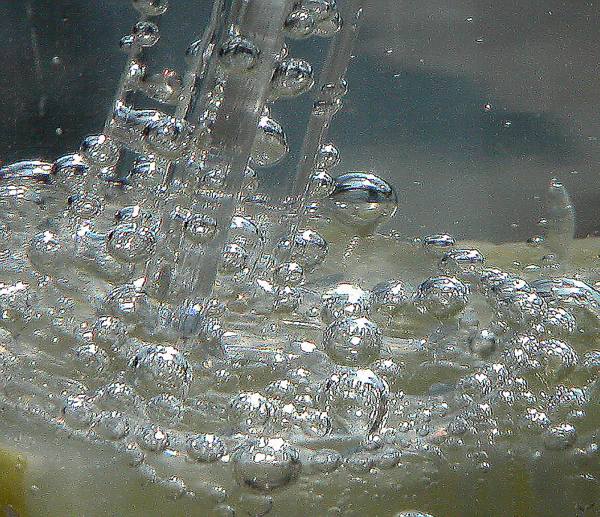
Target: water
{"x": 199, "y": 343}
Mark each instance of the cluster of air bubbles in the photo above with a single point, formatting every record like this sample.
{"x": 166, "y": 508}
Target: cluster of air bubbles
{"x": 151, "y": 7}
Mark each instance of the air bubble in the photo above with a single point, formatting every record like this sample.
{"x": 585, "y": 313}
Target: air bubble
{"x": 327, "y": 157}
{"x": 239, "y": 53}
{"x": 352, "y": 342}
{"x": 267, "y": 464}
{"x": 131, "y": 243}
{"x": 145, "y": 34}
{"x": 270, "y": 145}
{"x": 200, "y": 228}
{"x": 205, "y": 448}
{"x": 250, "y": 411}
{"x": 100, "y": 150}
{"x": 292, "y": 77}
{"x": 152, "y": 438}
{"x": 442, "y": 297}
{"x": 163, "y": 369}
{"x": 300, "y": 24}
{"x": 345, "y": 300}
{"x": 363, "y": 200}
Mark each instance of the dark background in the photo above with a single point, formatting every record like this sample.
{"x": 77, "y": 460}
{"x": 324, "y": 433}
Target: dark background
{"x": 468, "y": 107}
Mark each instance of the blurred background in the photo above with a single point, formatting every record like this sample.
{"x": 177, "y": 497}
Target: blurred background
{"x": 468, "y": 108}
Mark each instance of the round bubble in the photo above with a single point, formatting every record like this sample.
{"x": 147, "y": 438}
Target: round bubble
{"x": 363, "y": 200}
{"x": 270, "y": 145}
{"x": 352, "y": 342}
{"x": 442, "y": 296}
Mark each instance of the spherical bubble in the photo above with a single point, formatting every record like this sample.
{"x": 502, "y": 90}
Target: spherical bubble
{"x": 250, "y": 411}
{"x": 239, "y": 53}
{"x": 169, "y": 137}
{"x": 117, "y": 396}
{"x": 344, "y": 300}
{"x": 244, "y": 231}
{"x": 151, "y": 7}
{"x": 84, "y": 205}
{"x": 506, "y": 287}
{"x": 200, "y": 228}
{"x": 289, "y": 273}
{"x": 556, "y": 358}
{"x": 100, "y": 150}
{"x": 131, "y": 243}
{"x": 79, "y": 412}
{"x": 321, "y": 184}
{"x": 266, "y": 464}
{"x": 559, "y": 322}
{"x": 300, "y": 23}
{"x": 363, "y": 200}
{"x": 145, "y": 34}
{"x": 578, "y": 297}
{"x": 235, "y": 258}
{"x": 152, "y": 438}
{"x": 483, "y": 342}
{"x": 390, "y": 296}
{"x": 162, "y": 369}
{"x": 327, "y": 157}
{"x": 438, "y": 241}
{"x": 112, "y": 425}
{"x": 136, "y": 74}
{"x": 164, "y": 408}
{"x": 461, "y": 262}
{"x": 270, "y": 145}
{"x": 309, "y": 249}
{"x": 129, "y": 304}
{"x": 287, "y": 299}
{"x": 292, "y": 77}
{"x": 356, "y": 401}
{"x": 205, "y": 448}
{"x": 560, "y": 437}
{"x": 442, "y": 297}
{"x": 91, "y": 357}
{"x": 353, "y": 341}
{"x": 523, "y": 308}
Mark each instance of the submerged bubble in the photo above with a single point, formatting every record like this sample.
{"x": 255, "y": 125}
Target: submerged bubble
{"x": 344, "y": 300}
{"x": 390, "y": 296}
{"x": 131, "y": 243}
{"x": 327, "y": 157}
{"x": 152, "y": 438}
{"x": 266, "y": 464}
{"x": 200, "y": 228}
{"x": 145, "y": 34}
{"x": 100, "y": 150}
{"x": 163, "y": 369}
{"x": 353, "y": 341}
{"x": 292, "y": 77}
{"x": 363, "y": 200}
{"x": 206, "y": 448}
{"x": 239, "y": 53}
{"x": 442, "y": 297}
{"x": 250, "y": 411}
{"x": 356, "y": 401}
{"x": 270, "y": 145}
{"x": 300, "y": 23}
{"x": 112, "y": 425}
{"x": 309, "y": 249}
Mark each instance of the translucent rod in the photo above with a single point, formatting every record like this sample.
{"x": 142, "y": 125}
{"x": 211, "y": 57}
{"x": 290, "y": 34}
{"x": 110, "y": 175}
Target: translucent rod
{"x": 333, "y": 73}
{"x": 245, "y": 94}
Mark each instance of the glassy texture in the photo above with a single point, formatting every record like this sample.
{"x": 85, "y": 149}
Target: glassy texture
{"x": 299, "y": 257}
